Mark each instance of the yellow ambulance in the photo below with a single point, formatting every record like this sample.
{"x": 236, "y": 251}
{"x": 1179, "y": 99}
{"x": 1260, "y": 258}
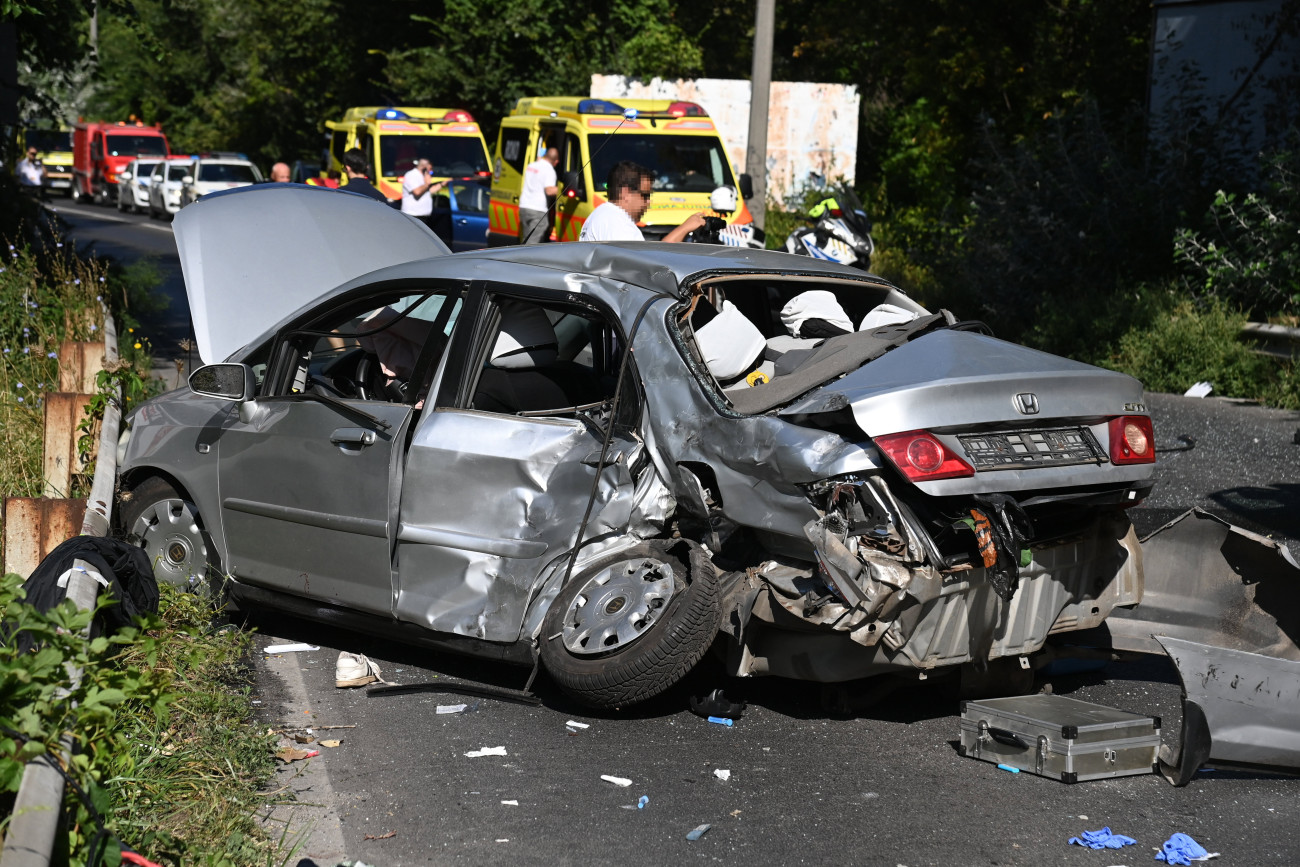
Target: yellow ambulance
{"x": 677, "y": 141}
{"x": 394, "y": 137}
{"x": 53, "y": 143}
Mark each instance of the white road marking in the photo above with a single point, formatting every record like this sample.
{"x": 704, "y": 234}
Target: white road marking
{"x": 100, "y": 214}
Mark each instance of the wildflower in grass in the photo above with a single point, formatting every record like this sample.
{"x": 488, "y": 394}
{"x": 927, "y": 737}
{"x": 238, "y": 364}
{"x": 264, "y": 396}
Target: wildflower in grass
{"x": 51, "y": 355}
{"x": 76, "y": 282}
{"x": 18, "y": 384}
{"x": 137, "y": 344}
{"x": 20, "y": 400}
{"x": 27, "y": 350}
{"x": 94, "y": 327}
{"x": 7, "y": 350}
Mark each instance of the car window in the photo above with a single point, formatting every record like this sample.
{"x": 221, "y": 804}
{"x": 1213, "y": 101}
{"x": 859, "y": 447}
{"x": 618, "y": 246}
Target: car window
{"x": 372, "y": 349}
{"x": 231, "y": 173}
{"x": 470, "y": 196}
{"x": 544, "y": 359}
{"x": 177, "y": 171}
{"x": 514, "y": 147}
{"x": 145, "y": 169}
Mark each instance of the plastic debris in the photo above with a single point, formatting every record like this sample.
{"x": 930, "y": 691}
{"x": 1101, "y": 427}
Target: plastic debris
{"x": 716, "y": 704}
{"x": 511, "y": 803}
{"x": 1201, "y": 389}
{"x": 722, "y": 774}
{"x": 1102, "y": 839}
{"x": 722, "y": 721}
{"x": 618, "y": 781}
{"x": 298, "y": 647}
{"x": 699, "y": 832}
{"x": 486, "y": 751}
{"x": 577, "y": 725}
{"x": 642, "y": 801}
{"x": 1182, "y": 849}
{"x": 1008, "y": 768}
{"x": 452, "y": 708}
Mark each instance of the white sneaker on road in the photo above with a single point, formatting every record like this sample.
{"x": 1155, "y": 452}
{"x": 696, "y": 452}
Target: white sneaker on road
{"x": 354, "y": 669}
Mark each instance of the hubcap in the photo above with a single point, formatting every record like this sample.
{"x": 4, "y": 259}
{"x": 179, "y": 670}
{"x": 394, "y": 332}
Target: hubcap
{"x": 616, "y": 606}
{"x": 168, "y": 531}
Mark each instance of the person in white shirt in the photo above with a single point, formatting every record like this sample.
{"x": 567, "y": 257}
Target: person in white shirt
{"x": 537, "y": 197}
{"x": 628, "y": 190}
{"x": 31, "y": 173}
{"x": 418, "y": 187}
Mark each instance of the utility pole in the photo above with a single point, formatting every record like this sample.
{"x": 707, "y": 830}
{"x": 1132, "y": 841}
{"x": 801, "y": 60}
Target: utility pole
{"x": 760, "y": 90}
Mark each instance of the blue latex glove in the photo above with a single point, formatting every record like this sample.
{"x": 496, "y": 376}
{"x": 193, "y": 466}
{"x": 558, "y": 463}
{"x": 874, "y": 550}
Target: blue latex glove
{"x": 1102, "y": 839}
{"x": 1181, "y": 849}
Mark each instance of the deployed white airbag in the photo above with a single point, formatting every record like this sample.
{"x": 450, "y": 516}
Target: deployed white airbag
{"x": 814, "y": 304}
{"x": 886, "y": 314}
{"x": 730, "y": 343}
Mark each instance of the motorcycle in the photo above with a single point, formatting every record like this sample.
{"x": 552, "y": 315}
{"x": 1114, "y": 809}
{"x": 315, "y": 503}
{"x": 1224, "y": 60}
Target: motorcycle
{"x": 841, "y": 232}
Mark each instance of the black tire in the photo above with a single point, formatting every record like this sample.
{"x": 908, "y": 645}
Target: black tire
{"x": 644, "y": 666}
{"x": 167, "y": 525}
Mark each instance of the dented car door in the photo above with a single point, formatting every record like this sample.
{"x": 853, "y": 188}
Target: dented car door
{"x": 499, "y": 474}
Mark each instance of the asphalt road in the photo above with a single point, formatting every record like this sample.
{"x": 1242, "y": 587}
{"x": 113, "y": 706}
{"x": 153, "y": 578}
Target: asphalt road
{"x": 883, "y": 786}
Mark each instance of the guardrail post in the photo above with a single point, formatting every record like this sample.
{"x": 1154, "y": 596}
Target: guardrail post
{"x": 79, "y": 363}
{"x": 35, "y": 526}
{"x": 63, "y": 412}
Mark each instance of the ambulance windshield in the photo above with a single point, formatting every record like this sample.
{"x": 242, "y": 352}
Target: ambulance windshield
{"x": 453, "y": 156}
{"x": 681, "y": 163}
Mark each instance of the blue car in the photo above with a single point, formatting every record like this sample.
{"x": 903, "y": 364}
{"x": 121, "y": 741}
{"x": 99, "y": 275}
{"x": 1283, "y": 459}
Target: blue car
{"x": 467, "y": 208}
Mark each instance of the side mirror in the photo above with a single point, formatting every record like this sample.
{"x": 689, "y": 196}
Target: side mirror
{"x": 224, "y": 381}
{"x": 746, "y": 187}
{"x": 187, "y": 180}
{"x": 126, "y": 175}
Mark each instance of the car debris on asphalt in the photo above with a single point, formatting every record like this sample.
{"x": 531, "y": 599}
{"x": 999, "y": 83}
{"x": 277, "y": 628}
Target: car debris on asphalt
{"x": 699, "y": 832}
{"x": 297, "y": 647}
{"x": 486, "y": 751}
{"x": 623, "y": 782}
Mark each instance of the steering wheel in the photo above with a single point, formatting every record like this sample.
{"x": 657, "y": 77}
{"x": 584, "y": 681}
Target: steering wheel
{"x": 372, "y": 384}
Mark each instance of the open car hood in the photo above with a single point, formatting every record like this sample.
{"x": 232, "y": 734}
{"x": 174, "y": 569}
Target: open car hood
{"x": 253, "y": 255}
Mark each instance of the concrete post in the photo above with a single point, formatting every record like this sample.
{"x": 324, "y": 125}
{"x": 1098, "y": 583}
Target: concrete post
{"x": 760, "y": 90}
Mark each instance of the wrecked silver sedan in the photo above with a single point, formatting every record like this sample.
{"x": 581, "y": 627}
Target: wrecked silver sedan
{"x": 608, "y": 458}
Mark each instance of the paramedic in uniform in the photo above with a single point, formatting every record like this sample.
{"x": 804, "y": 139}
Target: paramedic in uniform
{"x": 537, "y": 197}
{"x": 628, "y": 191}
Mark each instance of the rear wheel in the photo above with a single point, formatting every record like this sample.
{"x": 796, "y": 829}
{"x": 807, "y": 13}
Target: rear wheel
{"x": 168, "y": 527}
{"x": 632, "y": 625}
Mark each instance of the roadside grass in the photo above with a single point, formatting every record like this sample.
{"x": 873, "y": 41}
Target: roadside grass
{"x": 164, "y": 746}
{"x": 190, "y": 787}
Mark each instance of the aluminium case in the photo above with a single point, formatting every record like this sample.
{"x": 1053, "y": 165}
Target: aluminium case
{"x": 1059, "y": 737}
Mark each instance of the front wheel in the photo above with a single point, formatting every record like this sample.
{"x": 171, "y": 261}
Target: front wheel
{"x": 168, "y": 527}
{"x": 630, "y": 626}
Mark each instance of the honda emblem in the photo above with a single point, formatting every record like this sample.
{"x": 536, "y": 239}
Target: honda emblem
{"x": 1027, "y": 403}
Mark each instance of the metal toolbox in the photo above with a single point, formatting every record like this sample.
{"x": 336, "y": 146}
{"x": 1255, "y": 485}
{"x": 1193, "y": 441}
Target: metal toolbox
{"x": 1059, "y": 737}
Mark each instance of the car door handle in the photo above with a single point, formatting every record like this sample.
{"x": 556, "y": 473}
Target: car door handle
{"x": 462, "y": 221}
{"x": 353, "y": 436}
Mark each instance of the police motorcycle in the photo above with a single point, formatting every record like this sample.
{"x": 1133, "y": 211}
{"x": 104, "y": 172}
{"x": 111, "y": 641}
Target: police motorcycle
{"x": 840, "y": 232}
{"x": 723, "y": 201}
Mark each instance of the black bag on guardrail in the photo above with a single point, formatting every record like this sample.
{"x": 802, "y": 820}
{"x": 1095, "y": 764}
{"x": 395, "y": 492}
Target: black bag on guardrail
{"x": 124, "y": 568}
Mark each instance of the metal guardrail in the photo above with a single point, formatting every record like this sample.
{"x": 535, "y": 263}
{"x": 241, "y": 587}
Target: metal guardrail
{"x": 1276, "y": 340}
{"x": 29, "y": 840}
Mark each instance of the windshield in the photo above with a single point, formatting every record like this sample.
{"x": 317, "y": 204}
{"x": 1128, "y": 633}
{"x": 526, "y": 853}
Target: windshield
{"x": 453, "y": 156}
{"x": 681, "y": 163}
{"x": 231, "y": 173}
{"x": 49, "y": 140}
{"x": 125, "y": 145}
{"x": 178, "y": 171}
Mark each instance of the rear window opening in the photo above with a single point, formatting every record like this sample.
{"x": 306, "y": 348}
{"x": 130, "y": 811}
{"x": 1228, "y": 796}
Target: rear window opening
{"x": 762, "y": 342}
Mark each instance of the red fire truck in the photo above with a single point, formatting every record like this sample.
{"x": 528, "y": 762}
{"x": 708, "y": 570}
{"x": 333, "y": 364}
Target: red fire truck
{"x": 101, "y": 150}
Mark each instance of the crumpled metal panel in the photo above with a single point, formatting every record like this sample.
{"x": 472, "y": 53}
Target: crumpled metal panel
{"x": 469, "y": 559}
{"x": 965, "y": 623}
{"x": 1209, "y": 582}
{"x": 1239, "y": 708}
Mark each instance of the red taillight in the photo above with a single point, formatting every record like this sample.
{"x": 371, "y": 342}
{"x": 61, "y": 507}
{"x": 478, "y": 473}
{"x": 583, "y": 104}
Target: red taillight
{"x": 570, "y": 193}
{"x": 1132, "y": 440}
{"x": 923, "y": 458}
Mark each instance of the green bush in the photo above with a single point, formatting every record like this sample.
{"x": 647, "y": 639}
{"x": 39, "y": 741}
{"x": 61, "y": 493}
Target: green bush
{"x": 1190, "y": 343}
{"x": 1248, "y": 251}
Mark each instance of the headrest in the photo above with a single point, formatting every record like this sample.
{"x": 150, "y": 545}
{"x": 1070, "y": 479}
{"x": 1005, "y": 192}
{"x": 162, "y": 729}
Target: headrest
{"x": 886, "y": 314}
{"x": 527, "y": 338}
{"x": 814, "y": 304}
{"x": 730, "y": 343}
